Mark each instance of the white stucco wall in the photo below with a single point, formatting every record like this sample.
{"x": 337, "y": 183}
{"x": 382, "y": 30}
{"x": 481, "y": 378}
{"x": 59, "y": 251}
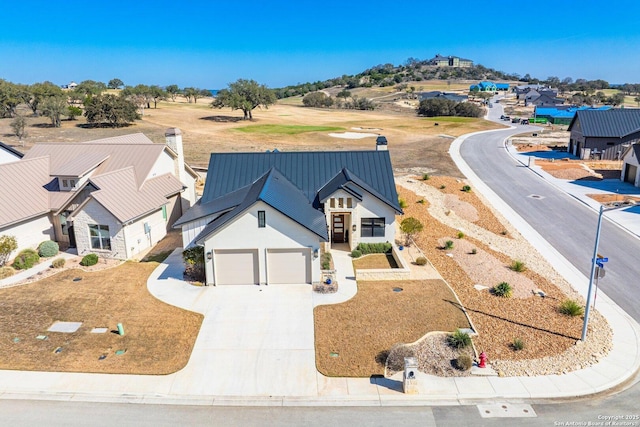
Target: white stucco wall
{"x": 94, "y": 213}
{"x": 30, "y": 233}
{"x": 279, "y": 232}
{"x": 369, "y": 207}
{"x": 191, "y": 229}
{"x": 167, "y": 164}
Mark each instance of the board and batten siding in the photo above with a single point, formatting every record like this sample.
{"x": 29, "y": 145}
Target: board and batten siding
{"x": 191, "y": 229}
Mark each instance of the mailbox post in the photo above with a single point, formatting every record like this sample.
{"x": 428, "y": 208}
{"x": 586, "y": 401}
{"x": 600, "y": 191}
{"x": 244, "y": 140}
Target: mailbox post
{"x": 410, "y": 377}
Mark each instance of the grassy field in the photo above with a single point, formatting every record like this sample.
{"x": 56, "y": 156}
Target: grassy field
{"x": 286, "y": 130}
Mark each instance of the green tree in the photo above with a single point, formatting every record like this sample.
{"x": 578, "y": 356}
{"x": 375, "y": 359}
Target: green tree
{"x": 317, "y": 99}
{"x": 244, "y": 95}
{"x": 115, "y": 84}
{"x": 18, "y": 125}
{"x": 172, "y": 91}
{"x": 10, "y": 98}
{"x": 637, "y": 99}
{"x": 8, "y": 244}
{"x": 344, "y": 93}
{"x": 54, "y": 107}
{"x": 157, "y": 94}
{"x": 38, "y": 92}
{"x": 73, "y": 112}
{"x": 89, "y": 88}
{"x": 436, "y": 107}
{"x": 110, "y": 110}
{"x": 410, "y": 227}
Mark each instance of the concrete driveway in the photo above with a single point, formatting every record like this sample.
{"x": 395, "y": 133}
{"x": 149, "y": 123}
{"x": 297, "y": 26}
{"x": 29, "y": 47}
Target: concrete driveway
{"x": 254, "y": 340}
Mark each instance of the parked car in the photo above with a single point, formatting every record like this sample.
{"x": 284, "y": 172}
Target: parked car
{"x": 515, "y": 120}
{"x": 502, "y": 117}
{"x": 507, "y": 118}
{"x": 524, "y": 121}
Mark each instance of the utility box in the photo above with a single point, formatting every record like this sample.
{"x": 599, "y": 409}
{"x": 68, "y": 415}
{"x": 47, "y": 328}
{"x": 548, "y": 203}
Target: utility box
{"x": 410, "y": 377}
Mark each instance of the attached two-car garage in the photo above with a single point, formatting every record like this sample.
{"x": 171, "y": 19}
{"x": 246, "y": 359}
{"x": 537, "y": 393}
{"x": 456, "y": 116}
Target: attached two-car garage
{"x": 242, "y": 266}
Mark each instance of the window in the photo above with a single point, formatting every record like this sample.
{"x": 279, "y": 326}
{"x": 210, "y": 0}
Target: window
{"x": 65, "y": 183}
{"x": 99, "y": 235}
{"x": 332, "y": 203}
{"x": 72, "y": 183}
{"x": 372, "y": 227}
{"x": 349, "y": 202}
{"x": 341, "y": 202}
{"x": 262, "y": 221}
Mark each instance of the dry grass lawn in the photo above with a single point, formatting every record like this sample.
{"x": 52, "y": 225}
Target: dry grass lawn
{"x": 373, "y": 261}
{"x": 158, "y": 337}
{"x": 352, "y": 338}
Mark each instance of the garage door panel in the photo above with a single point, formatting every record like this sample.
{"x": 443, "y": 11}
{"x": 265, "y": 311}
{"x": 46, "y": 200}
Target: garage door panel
{"x": 236, "y": 267}
{"x": 286, "y": 266}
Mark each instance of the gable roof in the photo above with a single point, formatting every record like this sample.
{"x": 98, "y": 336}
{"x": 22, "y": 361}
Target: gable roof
{"x": 306, "y": 170}
{"x": 277, "y": 191}
{"x": 11, "y": 150}
{"x": 615, "y": 123}
{"x": 21, "y": 192}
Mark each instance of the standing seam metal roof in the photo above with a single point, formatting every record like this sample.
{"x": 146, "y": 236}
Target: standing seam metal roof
{"x": 615, "y": 123}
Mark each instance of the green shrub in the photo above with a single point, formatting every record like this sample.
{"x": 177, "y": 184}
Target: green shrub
{"x": 356, "y": 253}
{"x": 48, "y": 248}
{"x": 448, "y": 244}
{"x": 421, "y": 201}
{"x": 464, "y": 362}
{"x": 426, "y": 177}
{"x": 518, "y": 266}
{"x": 402, "y": 203}
{"x": 421, "y": 260}
{"x": 474, "y": 251}
{"x": 571, "y": 308}
{"x": 517, "y": 344}
{"x": 460, "y": 235}
{"x": 459, "y": 339}
{"x": 374, "y": 248}
{"x": 502, "y": 290}
{"x": 466, "y": 189}
{"x": 58, "y": 263}
{"x": 6, "y": 272}
{"x": 26, "y": 259}
{"x": 325, "y": 261}
{"x": 442, "y": 187}
{"x": 8, "y": 244}
{"x": 410, "y": 227}
{"x": 89, "y": 260}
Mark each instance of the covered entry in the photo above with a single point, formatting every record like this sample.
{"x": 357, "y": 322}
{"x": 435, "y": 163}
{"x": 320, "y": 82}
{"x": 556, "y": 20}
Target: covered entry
{"x": 236, "y": 267}
{"x": 286, "y": 266}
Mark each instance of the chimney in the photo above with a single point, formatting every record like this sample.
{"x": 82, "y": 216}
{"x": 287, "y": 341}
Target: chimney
{"x": 381, "y": 143}
{"x": 174, "y": 141}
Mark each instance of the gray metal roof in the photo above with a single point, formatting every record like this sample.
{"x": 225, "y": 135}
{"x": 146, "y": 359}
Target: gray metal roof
{"x": 615, "y": 123}
{"x": 277, "y": 191}
{"x": 308, "y": 171}
{"x": 216, "y": 206}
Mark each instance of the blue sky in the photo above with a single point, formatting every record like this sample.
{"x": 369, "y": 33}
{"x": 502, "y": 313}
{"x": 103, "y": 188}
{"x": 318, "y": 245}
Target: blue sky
{"x": 208, "y": 44}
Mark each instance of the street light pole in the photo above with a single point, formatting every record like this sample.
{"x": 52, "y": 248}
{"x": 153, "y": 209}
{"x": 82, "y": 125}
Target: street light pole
{"x": 591, "y": 276}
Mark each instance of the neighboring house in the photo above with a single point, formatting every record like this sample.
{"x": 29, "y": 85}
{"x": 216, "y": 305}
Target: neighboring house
{"x": 502, "y": 86}
{"x": 264, "y": 217}
{"x": 562, "y": 114}
{"x": 631, "y": 165}
{"x": 522, "y": 90}
{"x": 542, "y": 98}
{"x": 450, "y": 61}
{"x": 9, "y": 154}
{"x": 442, "y": 95}
{"x": 115, "y": 197}
{"x": 484, "y": 86}
{"x": 601, "y": 133}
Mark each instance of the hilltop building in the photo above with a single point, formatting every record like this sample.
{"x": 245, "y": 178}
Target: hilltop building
{"x": 450, "y": 61}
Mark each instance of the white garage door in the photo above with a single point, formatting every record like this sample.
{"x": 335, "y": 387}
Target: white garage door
{"x": 236, "y": 267}
{"x": 289, "y": 265}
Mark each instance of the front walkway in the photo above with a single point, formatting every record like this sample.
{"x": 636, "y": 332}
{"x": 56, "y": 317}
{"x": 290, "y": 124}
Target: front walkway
{"x": 34, "y": 271}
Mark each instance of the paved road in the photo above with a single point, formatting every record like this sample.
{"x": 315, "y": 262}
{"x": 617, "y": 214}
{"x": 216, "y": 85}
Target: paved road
{"x": 567, "y": 224}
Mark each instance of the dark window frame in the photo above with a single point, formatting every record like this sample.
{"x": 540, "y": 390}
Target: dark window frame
{"x": 372, "y": 227}
{"x": 262, "y": 219}
{"x": 99, "y": 237}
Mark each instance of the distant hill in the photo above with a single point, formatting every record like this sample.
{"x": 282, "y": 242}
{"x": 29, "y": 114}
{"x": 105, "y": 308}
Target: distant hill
{"x": 388, "y": 75}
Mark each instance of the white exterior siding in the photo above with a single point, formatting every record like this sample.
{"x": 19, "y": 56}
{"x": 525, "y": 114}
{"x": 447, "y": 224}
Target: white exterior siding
{"x": 164, "y": 164}
{"x": 167, "y": 164}
{"x": 30, "y": 233}
{"x": 279, "y": 232}
{"x": 7, "y": 157}
{"x": 632, "y": 160}
{"x": 191, "y": 229}
{"x": 135, "y": 237}
{"x": 94, "y": 213}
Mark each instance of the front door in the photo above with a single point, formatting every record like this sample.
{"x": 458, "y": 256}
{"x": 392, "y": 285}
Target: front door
{"x": 338, "y": 229}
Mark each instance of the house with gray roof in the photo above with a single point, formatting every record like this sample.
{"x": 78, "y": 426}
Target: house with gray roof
{"x": 115, "y": 197}
{"x": 601, "y": 134}
{"x": 442, "y": 95}
{"x": 264, "y": 217}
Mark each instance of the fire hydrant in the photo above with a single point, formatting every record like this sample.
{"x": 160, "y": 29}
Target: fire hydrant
{"x": 483, "y": 360}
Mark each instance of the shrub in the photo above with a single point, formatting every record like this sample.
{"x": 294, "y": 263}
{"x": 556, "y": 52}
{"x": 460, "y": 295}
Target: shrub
{"x": 58, "y": 263}
{"x": 8, "y": 244}
{"x": 464, "y": 362}
{"x": 518, "y": 266}
{"x": 421, "y": 260}
{"x": 26, "y": 259}
{"x": 571, "y": 308}
{"x": 6, "y": 272}
{"x": 410, "y": 227}
{"x": 459, "y": 339}
{"x": 517, "y": 344}
{"x": 442, "y": 187}
{"x": 466, "y": 189}
{"x": 48, "y": 248}
{"x": 448, "y": 244}
{"x": 474, "y": 251}
{"x": 395, "y": 359}
{"x": 374, "y": 248}
{"x": 504, "y": 232}
{"x": 402, "y": 203}
{"x": 89, "y": 260}
{"x": 421, "y": 201}
{"x": 460, "y": 235}
{"x": 502, "y": 290}
{"x": 426, "y": 177}
{"x": 325, "y": 261}
{"x": 356, "y": 253}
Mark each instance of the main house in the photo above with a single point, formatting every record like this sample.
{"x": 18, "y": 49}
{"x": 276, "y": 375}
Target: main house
{"x": 114, "y": 197}
{"x": 263, "y": 217}
{"x": 603, "y": 134}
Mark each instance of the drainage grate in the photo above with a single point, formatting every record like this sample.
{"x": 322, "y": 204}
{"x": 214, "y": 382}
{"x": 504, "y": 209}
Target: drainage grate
{"x": 536, "y": 196}
{"x": 506, "y": 410}
{"x": 398, "y": 289}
